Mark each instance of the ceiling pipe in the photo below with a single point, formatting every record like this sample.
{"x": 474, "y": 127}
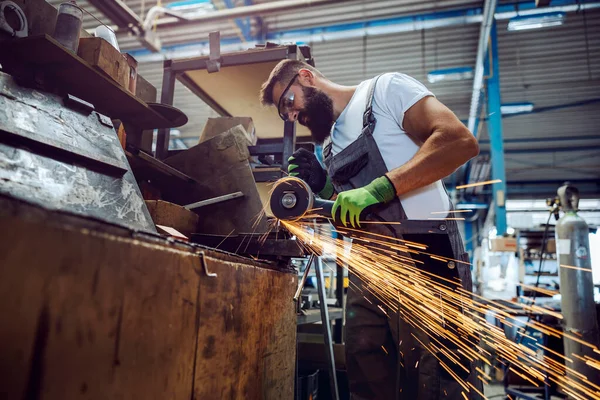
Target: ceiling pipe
{"x": 262, "y": 9}
{"x": 402, "y": 24}
{"x": 118, "y": 13}
{"x": 484, "y": 36}
{"x": 158, "y": 11}
{"x": 142, "y": 29}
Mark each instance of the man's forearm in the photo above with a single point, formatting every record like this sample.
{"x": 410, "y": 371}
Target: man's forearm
{"x": 441, "y": 154}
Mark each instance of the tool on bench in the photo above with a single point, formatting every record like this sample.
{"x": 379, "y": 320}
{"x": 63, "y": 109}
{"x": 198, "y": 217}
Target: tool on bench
{"x": 214, "y": 200}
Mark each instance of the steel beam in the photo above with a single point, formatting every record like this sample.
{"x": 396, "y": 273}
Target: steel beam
{"x": 469, "y": 238}
{"x": 495, "y": 131}
{"x": 118, "y": 13}
{"x": 546, "y": 139}
{"x": 166, "y": 97}
{"x": 484, "y": 34}
{"x": 243, "y": 23}
{"x": 541, "y": 149}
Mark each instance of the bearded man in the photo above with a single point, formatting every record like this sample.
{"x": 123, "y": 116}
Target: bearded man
{"x": 388, "y": 143}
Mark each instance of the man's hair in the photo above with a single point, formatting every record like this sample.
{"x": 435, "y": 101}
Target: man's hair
{"x": 283, "y": 72}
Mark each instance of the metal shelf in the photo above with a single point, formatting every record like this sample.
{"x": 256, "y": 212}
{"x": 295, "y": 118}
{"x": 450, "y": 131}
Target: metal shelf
{"x": 75, "y": 76}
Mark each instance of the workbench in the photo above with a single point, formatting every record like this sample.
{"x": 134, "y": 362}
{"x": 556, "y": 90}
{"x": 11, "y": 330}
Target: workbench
{"x": 93, "y": 309}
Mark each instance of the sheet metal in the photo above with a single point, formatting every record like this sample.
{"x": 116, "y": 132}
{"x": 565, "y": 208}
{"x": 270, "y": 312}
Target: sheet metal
{"x": 63, "y": 159}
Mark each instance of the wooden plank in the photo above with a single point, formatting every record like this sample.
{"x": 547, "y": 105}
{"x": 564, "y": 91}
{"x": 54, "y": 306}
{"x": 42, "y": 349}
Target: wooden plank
{"x": 216, "y": 126}
{"x": 173, "y": 215}
{"x": 237, "y": 335}
{"x": 157, "y": 340}
{"x": 101, "y": 55}
{"x": 62, "y": 313}
{"x": 87, "y": 311}
{"x": 75, "y": 76}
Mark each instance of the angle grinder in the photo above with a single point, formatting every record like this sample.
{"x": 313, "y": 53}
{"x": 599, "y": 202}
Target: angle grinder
{"x": 292, "y": 198}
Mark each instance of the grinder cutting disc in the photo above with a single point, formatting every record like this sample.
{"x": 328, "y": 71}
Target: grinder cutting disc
{"x": 290, "y": 199}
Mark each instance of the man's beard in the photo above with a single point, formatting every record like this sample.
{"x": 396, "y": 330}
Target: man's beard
{"x": 317, "y": 114}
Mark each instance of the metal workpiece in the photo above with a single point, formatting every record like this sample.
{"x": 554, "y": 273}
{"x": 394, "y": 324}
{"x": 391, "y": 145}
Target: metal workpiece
{"x": 65, "y": 159}
{"x": 576, "y": 287}
{"x": 275, "y": 246}
{"x": 33, "y": 118}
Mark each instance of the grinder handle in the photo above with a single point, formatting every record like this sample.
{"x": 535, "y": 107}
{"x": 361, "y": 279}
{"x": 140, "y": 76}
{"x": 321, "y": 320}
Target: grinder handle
{"x": 323, "y": 207}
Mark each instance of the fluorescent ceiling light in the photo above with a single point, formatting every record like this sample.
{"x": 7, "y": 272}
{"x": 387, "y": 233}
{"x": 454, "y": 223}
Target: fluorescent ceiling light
{"x": 450, "y": 74}
{"x": 191, "y": 5}
{"x": 525, "y": 22}
{"x": 516, "y": 108}
{"x": 472, "y": 206}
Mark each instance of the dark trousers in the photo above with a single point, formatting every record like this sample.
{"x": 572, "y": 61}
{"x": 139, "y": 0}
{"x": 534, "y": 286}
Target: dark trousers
{"x": 383, "y": 359}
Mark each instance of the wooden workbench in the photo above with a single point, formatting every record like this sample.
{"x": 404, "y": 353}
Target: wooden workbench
{"x": 96, "y": 311}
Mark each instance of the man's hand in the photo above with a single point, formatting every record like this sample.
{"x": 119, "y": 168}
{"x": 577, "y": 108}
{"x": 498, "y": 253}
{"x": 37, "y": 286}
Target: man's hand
{"x": 353, "y": 202}
{"x": 304, "y": 165}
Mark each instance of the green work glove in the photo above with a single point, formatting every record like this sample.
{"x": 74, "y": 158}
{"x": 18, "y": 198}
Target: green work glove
{"x": 352, "y": 202}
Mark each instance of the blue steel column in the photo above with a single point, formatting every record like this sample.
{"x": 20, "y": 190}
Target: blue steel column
{"x": 469, "y": 245}
{"x": 495, "y": 131}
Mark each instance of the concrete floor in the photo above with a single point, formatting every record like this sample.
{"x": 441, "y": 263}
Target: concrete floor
{"x": 495, "y": 391}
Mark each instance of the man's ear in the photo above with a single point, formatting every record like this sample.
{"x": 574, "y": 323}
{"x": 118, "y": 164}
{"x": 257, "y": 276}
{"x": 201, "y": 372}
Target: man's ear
{"x": 306, "y": 77}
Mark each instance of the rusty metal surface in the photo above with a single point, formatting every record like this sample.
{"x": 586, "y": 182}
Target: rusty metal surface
{"x": 63, "y": 159}
{"x": 42, "y": 118}
{"x": 256, "y": 245}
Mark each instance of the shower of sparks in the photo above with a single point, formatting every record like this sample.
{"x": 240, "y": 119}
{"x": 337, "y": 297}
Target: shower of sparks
{"x": 478, "y": 184}
{"x": 452, "y": 319}
{"x": 451, "y": 212}
{"x": 577, "y": 268}
{"x": 449, "y": 219}
{"x": 380, "y": 223}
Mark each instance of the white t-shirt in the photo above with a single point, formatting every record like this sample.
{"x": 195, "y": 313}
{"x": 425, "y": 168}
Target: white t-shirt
{"x": 394, "y": 94}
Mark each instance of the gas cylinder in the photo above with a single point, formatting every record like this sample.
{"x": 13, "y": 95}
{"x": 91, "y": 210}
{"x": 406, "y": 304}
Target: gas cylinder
{"x": 576, "y": 286}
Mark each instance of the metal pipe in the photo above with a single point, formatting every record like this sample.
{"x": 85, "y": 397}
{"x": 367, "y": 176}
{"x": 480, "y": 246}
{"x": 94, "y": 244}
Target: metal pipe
{"x": 326, "y": 323}
{"x": 157, "y": 11}
{"x": 484, "y": 36}
{"x": 261, "y": 9}
{"x": 304, "y": 276}
{"x": 118, "y": 12}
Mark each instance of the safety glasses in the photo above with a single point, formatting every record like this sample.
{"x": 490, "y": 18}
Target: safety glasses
{"x": 286, "y": 101}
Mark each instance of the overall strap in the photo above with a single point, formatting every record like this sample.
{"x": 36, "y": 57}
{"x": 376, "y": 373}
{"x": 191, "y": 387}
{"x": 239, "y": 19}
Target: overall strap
{"x": 368, "y": 117}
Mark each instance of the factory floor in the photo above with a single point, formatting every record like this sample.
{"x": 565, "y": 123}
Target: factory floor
{"x": 493, "y": 391}
{"x": 496, "y": 391}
